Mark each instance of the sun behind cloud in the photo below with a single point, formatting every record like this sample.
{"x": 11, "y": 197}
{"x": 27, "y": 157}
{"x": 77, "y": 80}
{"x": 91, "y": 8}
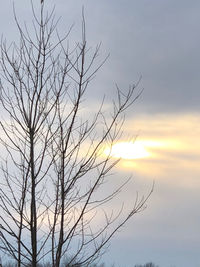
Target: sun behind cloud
{"x": 127, "y": 150}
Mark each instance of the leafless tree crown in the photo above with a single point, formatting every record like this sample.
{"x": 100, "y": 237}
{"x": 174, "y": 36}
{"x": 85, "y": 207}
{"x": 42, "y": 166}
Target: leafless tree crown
{"x": 52, "y": 166}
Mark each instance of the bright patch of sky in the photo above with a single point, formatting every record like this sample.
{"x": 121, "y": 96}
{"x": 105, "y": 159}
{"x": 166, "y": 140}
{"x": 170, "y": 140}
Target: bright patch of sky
{"x": 159, "y": 40}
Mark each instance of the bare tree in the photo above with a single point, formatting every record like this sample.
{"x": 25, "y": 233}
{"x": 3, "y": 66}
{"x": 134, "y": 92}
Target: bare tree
{"x": 53, "y": 166}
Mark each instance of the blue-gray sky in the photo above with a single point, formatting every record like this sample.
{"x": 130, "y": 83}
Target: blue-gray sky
{"x": 160, "y": 41}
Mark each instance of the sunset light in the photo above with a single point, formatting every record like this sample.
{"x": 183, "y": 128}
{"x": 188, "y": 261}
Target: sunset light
{"x": 128, "y": 150}
{"x": 100, "y": 133}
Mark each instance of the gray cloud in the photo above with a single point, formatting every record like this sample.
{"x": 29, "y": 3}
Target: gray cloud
{"x": 159, "y": 40}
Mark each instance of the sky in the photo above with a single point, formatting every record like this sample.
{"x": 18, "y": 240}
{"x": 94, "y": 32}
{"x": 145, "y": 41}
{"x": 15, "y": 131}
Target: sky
{"x": 156, "y": 40}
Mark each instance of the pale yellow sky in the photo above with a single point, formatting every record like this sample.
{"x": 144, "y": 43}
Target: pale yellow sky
{"x": 171, "y": 142}
{"x": 173, "y": 164}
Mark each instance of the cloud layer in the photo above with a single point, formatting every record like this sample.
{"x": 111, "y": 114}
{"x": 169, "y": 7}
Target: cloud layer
{"x": 158, "y": 40}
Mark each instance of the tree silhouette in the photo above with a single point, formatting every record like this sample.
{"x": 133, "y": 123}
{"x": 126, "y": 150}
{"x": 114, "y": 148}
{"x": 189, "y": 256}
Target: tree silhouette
{"x": 149, "y": 264}
{"x": 52, "y": 164}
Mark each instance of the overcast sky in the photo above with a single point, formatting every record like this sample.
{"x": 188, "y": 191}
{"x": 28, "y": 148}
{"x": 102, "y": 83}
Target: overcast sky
{"x": 160, "y": 41}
